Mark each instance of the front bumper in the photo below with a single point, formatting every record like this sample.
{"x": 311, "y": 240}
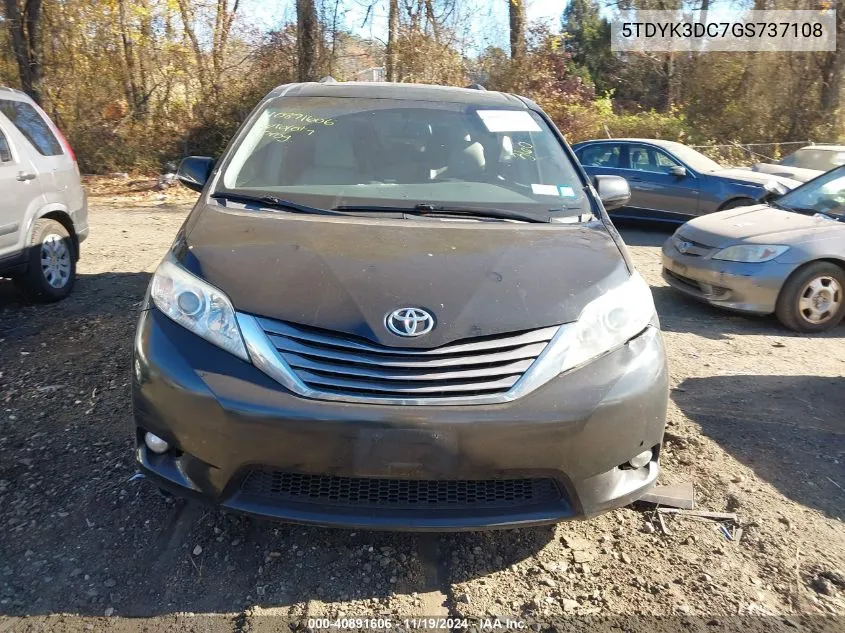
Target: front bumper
{"x": 226, "y": 419}
{"x": 739, "y": 286}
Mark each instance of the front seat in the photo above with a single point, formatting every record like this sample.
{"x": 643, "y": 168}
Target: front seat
{"x": 333, "y": 161}
{"x": 466, "y": 162}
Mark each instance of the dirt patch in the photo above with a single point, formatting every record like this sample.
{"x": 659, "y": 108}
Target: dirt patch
{"x": 756, "y": 423}
{"x": 128, "y": 191}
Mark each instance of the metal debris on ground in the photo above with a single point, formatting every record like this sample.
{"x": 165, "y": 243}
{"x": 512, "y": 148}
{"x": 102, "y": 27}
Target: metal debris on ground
{"x": 681, "y": 495}
{"x": 701, "y": 514}
{"x": 663, "y": 524}
{"x": 717, "y": 519}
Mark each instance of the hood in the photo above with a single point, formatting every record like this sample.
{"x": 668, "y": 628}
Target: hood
{"x": 747, "y": 176}
{"x": 347, "y": 274}
{"x": 760, "y": 224}
{"x": 799, "y": 174}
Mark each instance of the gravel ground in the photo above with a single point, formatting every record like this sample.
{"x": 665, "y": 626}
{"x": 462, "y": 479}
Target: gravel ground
{"x": 756, "y": 423}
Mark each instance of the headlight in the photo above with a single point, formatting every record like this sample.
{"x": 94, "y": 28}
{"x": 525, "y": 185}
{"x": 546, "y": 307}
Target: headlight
{"x": 197, "y": 306}
{"x": 751, "y": 253}
{"x": 604, "y": 324}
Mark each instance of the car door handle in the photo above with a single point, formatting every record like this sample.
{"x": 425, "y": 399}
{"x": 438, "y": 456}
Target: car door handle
{"x": 23, "y": 176}
{"x": 635, "y": 180}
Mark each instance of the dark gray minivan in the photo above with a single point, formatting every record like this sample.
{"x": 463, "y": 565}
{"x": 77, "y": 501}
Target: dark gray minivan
{"x": 400, "y": 307}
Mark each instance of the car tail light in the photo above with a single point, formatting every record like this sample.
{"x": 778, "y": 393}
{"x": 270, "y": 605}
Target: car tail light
{"x": 66, "y": 145}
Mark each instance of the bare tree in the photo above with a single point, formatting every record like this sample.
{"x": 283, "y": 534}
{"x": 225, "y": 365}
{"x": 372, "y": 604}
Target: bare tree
{"x": 392, "y": 34}
{"x": 223, "y": 19}
{"x": 187, "y": 13}
{"x": 833, "y": 68}
{"x": 24, "y": 27}
{"x": 307, "y": 38}
{"x": 517, "y": 26}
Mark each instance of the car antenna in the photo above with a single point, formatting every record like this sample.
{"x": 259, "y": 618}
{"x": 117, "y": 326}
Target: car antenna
{"x": 328, "y": 79}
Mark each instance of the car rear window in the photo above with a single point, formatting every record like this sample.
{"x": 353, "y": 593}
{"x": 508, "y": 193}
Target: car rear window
{"x": 30, "y": 123}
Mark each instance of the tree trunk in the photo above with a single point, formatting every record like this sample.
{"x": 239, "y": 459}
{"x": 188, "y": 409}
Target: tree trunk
{"x": 517, "y": 26}
{"x": 187, "y": 15}
{"x": 223, "y": 20}
{"x": 833, "y": 67}
{"x": 432, "y": 19}
{"x": 130, "y": 86}
{"x": 670, "y": 70}
{"x": 392, "y": 34}
{"x": 24, "y": 31}
{"x": 307, "y": 36}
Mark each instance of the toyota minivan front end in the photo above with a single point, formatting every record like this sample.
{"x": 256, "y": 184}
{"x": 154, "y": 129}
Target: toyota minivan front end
{"x": 400, "y": 307}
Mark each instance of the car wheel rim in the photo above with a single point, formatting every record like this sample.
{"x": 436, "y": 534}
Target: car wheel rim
{"x": 55, "y": 261}
{"x": 820, "y": 300}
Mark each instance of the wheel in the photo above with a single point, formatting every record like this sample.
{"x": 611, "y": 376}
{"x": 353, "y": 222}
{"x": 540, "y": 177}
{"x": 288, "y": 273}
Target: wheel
{"x": 813, "y": 299}
{"x": 51, "y": 271}
{"x": 738, "y": 202}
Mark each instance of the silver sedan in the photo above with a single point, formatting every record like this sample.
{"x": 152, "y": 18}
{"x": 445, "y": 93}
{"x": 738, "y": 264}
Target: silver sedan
{"x": 786, "y": 257}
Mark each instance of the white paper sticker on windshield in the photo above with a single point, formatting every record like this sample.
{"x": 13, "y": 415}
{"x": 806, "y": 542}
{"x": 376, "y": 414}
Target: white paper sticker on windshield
{"x": 567, "y": 192}
{"x": 545, "y": 190}
{"x": 508, "y": 121}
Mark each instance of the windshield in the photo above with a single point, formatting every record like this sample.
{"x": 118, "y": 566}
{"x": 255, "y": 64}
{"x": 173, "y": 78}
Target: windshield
{"x": 820, "y": 159}
{"x": 332, "y": 152}
{"x": 825, "y": 194}
{"x": 696, "y": 160}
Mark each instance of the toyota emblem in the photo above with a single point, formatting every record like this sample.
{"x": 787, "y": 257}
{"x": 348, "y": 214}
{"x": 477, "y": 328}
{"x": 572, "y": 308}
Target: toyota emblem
{"x": 410, "y": 322}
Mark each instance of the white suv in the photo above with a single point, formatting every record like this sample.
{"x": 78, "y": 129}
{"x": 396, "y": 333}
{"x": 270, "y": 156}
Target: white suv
{"x": 43, "y": 207}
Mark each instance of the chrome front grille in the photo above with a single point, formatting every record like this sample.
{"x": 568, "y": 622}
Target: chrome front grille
{"x": 350, "y": 368}
{"x": 690, "y": 248}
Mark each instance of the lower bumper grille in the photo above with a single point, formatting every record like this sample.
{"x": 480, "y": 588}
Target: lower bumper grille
{"x": 400, "y": 494}
{"x": 708, "y": 291}
{"x": 684, "y": 280}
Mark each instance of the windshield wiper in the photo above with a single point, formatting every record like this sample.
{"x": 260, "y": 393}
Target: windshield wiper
{"x": 432, "y": 209}
{"x": 272, "y": 202}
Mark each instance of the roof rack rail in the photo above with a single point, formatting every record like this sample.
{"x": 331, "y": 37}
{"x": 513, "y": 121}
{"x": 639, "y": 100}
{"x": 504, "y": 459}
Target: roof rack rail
{"x": 476, "y": 87}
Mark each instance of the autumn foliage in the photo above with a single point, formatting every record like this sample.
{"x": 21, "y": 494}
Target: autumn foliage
{"x": 136, "y": 84}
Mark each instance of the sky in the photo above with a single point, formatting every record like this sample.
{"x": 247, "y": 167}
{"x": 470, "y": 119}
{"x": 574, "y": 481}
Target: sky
{"x": 490, "y": 27}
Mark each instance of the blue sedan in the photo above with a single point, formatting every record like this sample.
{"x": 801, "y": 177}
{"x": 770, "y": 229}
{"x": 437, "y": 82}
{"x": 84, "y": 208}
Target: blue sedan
{"x": 672, "y": 182}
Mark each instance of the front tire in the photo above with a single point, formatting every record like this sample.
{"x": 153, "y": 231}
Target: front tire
{"x": 51, "y": 270}
{"x": 813, "y": 298}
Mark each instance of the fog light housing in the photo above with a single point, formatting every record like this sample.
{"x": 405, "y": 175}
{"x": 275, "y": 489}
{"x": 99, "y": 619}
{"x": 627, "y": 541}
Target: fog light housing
{"x": 638, "y": 461}
{"x": 155, "y": 443}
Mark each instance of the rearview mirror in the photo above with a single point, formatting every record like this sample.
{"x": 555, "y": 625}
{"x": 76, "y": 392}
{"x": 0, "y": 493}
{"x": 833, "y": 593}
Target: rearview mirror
{"x": 678, "y": 171}
{"x": 194, "y": 171}
{"x": 614, "y": 191}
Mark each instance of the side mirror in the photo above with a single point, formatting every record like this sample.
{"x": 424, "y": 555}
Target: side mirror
{"x": 772, "y": 190}
{"x": 194, "y": 171}
{"x": 678, "y": 171}
{"x": 614, "y": 191}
